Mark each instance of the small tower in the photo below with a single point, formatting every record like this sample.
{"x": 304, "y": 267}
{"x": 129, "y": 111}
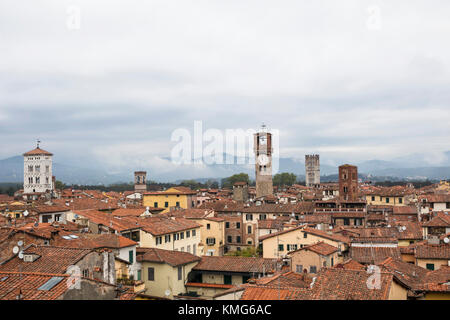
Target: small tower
{"x": 37, "y": 173}
{"x": 140, "y": 181}
{"x": 312, "y": 170}
{"x": 348, "y": 182}
{"x": 263, "y": 162}
{"x": 240, "y": 191}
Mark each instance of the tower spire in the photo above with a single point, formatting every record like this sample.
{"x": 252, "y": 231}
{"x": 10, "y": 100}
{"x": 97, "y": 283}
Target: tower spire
{"x": 38, "y": 142}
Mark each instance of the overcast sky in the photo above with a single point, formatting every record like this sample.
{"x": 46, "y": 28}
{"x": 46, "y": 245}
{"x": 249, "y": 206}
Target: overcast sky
{"x": 351, "y": 80}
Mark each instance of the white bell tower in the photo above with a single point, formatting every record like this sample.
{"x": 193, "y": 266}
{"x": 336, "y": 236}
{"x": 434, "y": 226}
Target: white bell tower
{"x": 37, "y": 171}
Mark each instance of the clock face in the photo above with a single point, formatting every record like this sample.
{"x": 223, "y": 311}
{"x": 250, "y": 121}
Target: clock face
{"x": 262, "y": 140}
{"x": 263, "y": 159}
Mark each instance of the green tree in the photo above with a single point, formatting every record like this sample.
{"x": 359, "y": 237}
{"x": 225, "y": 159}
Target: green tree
{"x": 284, "y": 179}
{"x": 247, "y": 252}
{"x": 10, "y": 191}
{"x": 230, "y": 181}
{"x": 59, "y": 185}
{"x": 194, "y": 185}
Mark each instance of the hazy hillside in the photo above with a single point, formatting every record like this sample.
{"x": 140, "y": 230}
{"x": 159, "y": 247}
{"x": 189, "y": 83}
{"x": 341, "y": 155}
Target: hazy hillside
{"x": 11, "y": 170}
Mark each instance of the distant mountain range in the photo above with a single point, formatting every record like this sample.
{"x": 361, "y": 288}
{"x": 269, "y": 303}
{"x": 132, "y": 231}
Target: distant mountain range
{"x": 413, "y": 167}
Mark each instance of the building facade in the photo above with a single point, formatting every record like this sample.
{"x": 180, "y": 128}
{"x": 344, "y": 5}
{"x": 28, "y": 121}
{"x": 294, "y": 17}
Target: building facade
{"x": 140, "y": 181}
{"x": 37, "y": 171}
{"x": 263, "y": 162}
{"x": 348, "y": 182}
{"x": 312, "y": 170}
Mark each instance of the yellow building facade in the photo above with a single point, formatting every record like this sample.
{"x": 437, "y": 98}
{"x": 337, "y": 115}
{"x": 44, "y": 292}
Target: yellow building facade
{"x": 176, "y": 197}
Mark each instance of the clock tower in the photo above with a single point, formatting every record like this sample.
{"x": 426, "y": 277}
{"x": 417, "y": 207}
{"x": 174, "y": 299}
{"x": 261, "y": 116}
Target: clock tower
{"x": 263, "y": 162}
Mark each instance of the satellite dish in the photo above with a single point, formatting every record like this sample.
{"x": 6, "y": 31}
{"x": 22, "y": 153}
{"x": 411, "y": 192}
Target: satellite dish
{"x": 167, "y": 292}
{"x": 20, "y": 243}
{"x": 21, "y": 255}
{"x": 16, "y": 249}
{"x": 36, "y": 224}
{"x": 25, "y": 213}
{"x": 446, "y": 240}
{"x": 404, "y": 228}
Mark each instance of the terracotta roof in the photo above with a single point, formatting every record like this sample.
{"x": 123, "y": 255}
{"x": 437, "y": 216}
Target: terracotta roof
{"x": 440, "y": 220}
{"x": 255, "y": 292}
{"x": 407, "y": 273}
{"x": 396, "y": 191}
{"x": 287, "y": 279}
{"x": 344, "y": 284}
{"x": 209, "y": 285}
{"x": 37, "y": 152}
{"x": 28, "y": 284}
{"x": 433, "y": 251}
{"x": 223, "y": 206}
{"x": 122, "y": 212}
{"x": 51, "y": 259}
{"x": 437, "y": 280}
{"x": 321, "y": 248}
{"x": 236, "y": 264}
{"x": 173, "y": 191}
{"x": 93, "y": 241}
{"x": 408, "y": 210}
{"x": 173, "y": 258}
{"x": 108, "y": 220}
{"x": 371, "y": 255}
{"x": 436, "y": 198}
{"x": 50, "y": 209}
{"x": 87, "y": 204}
{"x": 350, "y": 264}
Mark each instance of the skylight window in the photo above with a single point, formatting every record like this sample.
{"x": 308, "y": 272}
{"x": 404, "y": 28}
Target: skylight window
{"x": 50, "y": 284}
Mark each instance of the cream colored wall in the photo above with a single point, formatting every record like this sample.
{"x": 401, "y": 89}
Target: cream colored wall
{"x": 437, "y": 296}
{"x": 217, "y": 231}
{"x": 397, "y": 292}
{"x": 307, "y": 258}
{"x": 185, "y": 201}
{"x": 166, "y": 278}
{"x": 404, "y": 243}
{"x": 437, "y": 263}
{"x": 270, "y": 245}
{"x": 219, "y": 279}
{"x": 231, "y": 296}
{"x": 206, "y": 293}
{"x": 393, "y": 201}
{"x": 147, "y": 240}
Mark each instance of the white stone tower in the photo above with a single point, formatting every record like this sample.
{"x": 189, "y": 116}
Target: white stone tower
{"x": 312, "y": 170}
{"x": 263, "y": 164}
{"x": 37, "y": 171}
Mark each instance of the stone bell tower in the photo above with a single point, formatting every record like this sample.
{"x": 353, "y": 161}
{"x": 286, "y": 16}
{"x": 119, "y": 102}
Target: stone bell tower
{"x": 312, "y": 170}
{"x": 140, "y": 181}
{"x": 263, "y": 162}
